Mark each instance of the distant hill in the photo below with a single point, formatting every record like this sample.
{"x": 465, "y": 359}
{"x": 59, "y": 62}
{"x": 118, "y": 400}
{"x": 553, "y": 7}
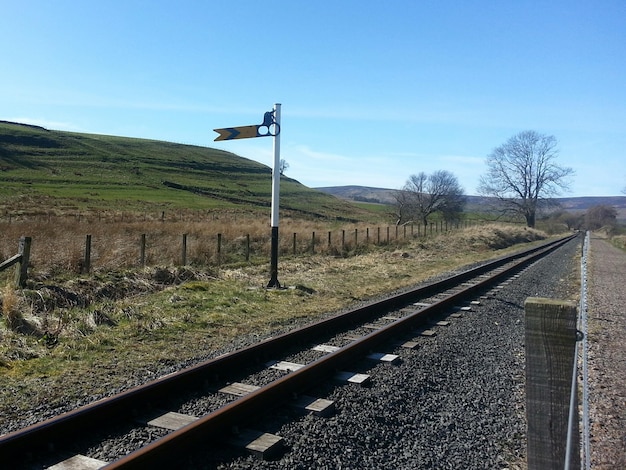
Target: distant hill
{"x": 44, "y": 171}
{"x": 361, "y": 193}
{"x": 385, "y": 196}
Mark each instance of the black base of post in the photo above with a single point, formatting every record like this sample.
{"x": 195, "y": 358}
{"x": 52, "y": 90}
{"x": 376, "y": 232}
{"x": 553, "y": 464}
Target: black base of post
{"x": 274, "y": 284}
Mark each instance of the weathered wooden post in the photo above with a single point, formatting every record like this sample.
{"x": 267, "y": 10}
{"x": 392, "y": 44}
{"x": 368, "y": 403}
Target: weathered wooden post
{"x": 550, "y": 349}
{"x": 142, "y": 251}
{"x": 184, "y": 251}
{"x": 219, "y": 249}
{"x": 247, "y": 247}
{"x": 87, "y": 262}
{"x": 21, "y": 269}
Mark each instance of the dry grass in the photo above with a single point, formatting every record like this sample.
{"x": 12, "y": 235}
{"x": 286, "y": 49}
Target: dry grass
{"x": 10, "y": 303}
{"x": 58, "y": 244}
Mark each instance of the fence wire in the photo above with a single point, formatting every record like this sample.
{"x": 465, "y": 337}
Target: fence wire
{"x": 574, "y": 417}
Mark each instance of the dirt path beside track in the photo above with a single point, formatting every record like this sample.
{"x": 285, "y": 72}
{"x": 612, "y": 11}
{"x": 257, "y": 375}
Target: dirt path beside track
{"x": 607, "y": 354}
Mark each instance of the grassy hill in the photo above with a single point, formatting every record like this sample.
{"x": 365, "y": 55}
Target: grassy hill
{"x": 44, "y": 170}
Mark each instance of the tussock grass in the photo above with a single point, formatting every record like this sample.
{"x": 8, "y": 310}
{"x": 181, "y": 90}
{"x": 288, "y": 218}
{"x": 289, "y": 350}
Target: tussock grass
{"x": 10, "y": 302}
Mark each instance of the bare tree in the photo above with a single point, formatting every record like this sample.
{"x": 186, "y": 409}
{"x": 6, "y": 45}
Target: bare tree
{"x": 522, "y": 174}
{"x": 600, "y": 216}
{"x": 571, "y": 220}
{"x": 423, "y": 195}
{"x": 282, "y": 167}
{"x": 403, "y": 207}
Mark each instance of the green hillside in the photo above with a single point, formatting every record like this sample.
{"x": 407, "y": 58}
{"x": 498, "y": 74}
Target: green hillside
{"x": 44, "y": 170}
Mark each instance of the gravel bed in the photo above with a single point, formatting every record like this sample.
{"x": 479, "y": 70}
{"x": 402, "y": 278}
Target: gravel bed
{"x": 457, "y": 401}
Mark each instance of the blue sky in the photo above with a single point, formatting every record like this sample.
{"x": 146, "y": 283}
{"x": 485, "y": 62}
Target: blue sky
{"x": 371, "y": 91}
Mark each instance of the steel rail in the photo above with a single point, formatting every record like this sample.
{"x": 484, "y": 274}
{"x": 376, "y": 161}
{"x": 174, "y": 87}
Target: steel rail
{"x": 159, "y": 453}
{"x": 64, "y": 428}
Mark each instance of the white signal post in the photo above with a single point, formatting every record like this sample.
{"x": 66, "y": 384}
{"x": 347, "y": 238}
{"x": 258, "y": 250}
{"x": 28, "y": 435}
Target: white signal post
{"x": 269, "y": 127}
{"x": 275, "y": 203}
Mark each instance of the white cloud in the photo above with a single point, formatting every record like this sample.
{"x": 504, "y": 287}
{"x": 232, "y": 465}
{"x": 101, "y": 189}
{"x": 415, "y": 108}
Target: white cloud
{"x": 304, "y": 152}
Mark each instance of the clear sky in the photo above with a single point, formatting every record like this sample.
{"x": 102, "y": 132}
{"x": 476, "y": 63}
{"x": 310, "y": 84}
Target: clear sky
{"x": 371, "y": 91}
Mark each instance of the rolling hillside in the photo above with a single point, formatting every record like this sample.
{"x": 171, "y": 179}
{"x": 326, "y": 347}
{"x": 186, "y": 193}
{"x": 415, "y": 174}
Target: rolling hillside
{"x": 45, "y": 170}
{"x": 474, "y": 203}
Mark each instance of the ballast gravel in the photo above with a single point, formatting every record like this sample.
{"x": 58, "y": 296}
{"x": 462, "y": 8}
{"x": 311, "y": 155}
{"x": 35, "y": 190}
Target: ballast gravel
{"x": 456, "y": 401}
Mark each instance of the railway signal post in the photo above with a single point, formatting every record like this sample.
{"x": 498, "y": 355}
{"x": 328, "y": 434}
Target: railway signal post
{"x": 269, "y": 127}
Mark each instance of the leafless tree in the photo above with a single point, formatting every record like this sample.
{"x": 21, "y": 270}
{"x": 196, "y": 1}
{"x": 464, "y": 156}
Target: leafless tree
{"x": 423, "y": 195}
{"x": 282, "y": 167}
{"x": 522, "y": 174}
{"x": 403, "y": 206}
{"x": 600, "y": 216}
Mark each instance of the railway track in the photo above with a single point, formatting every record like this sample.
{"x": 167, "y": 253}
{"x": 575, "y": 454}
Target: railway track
{"x": 248, "y": 382}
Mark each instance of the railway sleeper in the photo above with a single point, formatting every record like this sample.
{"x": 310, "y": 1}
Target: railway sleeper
{"x": 79, "y": 462}
{"x": 260, "y": 444}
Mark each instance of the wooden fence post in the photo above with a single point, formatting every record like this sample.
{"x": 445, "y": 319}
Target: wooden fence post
{"x": 550, "y": 348}
{"x": 87, "y": 262}
{"x": 219, "y": 249}
{"x": 142, "y": 251}
{"x": 184, "y": 253}
{"x": 247, "y": 247}
{"x": 21, "y": 269}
